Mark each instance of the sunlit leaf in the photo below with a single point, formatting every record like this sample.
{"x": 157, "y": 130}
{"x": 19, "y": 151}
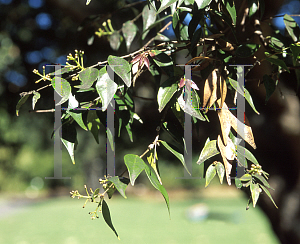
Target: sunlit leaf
{"x": 165, "y": 4}
{"x": 149, "y": 17}
{"x": 220, "y": 171}
{"x": 230, "y": 6}
{"x": 120, "y": 186}
{"x": 202, "y": 3}
{"x": 88, "y": 76}
{"x": 292, "y": 27}
{"x": 155, "y": 182}
{"x": 269, "y": 195}
{"x": 253, "y": 7}
{"x": 121, "y": 67}
{"x": 64, "y": 91}
{"x": 244, "y": 93}
{"x": 227, "y": 151}
{"x": 69, "y": 140}
{"x": 210, "y": 174}
{"x": 255, "y": 191}
{"x": 35, "y": 98}
{"x": 105, "y": 87}
{"x": 115, "y": 40}
{"x": 135, "y": 166}
{"x": 246, "y": 177}
{"x": 177, "y": 154}
{"x": 209, "y": 150}
{"x": 21, "y": 102}
{"x": 129, "y": 30}
{"x": 166, "y": 92}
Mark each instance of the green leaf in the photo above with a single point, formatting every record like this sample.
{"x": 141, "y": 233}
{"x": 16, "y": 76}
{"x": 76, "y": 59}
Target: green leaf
{"x": 21, "y": 102}
{"x": 221, "y": 171}
{"x": 196, "y": 105}
{"x": 253, "y": 7}
{"x": 210, "y": 174}
{"x": 238, "y": 183}
{"x": 106, "y": 216}
{"x": 270, "y": 86}
{"x": 230, "y": 6}
{"x": 255, "y": 191}
{"x": 246, "y": 94}
{"x": 177, "y": 154}
{"x": 175, "y": 23}
{"x": 202, "y": 3}
{"x": 269, "y": 195}
{"x": 295, "y": 51}
{"x": 69, "y": 140}
{"x": 135, "y": 166}
{"x": 292, "y": 27}
{"x": 64, "y": 70}
{"x": 105, "y": 87}
{"x": 88, "y": 76}
{"x": 120, "y": 186}
{"x": 166, "y": 92}
{"x": 276, "y": 42}
{"x": 65, "y": 90}
{"x": 129, "y": 30}
{"x": 122, "y": 68}
{"x": 246, "y": 177}
{"x": 35, "y": 98}
{"x": 190, "y": 109}
{"x": 93, "y": 124}
{"x": 246, "y": 50}
{"x": 115, "y": 40}
{"x": 247, "y": 153}
{"x": 165, "y": 4}
{"x": 208, "y": 151}
{"x": 263, "y": 180}
{"x": 155, "y": 182}
{"x": 278, "y": 62}
{"x": 149, "y": 17}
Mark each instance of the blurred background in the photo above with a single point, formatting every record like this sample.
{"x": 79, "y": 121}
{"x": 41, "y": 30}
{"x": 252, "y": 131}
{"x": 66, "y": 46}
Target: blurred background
{"x": 34, "y": 33}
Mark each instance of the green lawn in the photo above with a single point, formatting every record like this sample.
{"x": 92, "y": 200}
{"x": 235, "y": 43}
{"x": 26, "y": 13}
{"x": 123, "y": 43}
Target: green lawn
{"x": 63, "y": 220}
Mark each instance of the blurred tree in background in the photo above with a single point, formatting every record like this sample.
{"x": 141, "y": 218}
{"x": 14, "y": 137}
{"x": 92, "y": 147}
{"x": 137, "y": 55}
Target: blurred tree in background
{"x": 35, "y": 33}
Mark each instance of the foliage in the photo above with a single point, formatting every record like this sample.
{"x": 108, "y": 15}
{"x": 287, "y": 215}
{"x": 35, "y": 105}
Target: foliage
{"x": 211, "y": 40}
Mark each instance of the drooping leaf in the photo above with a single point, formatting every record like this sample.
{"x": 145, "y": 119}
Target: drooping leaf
{"x": 279, "y": 63}
{"x": 166, "y": 92}
{"x": 149, "y": 17}
{"x": 209, "y": 150}
{"x": 106, "y": 215}
{"x": 177, "y": 154}
{"x": 247, "y": 153}
{"x": 227, "y": 151}
{"x": 270, "y": 86}
{"x": 135, "y": 166}
{"x": 120, "y": 186}
{"x": 220, "y": 171}
{"x": 228, "y": 168}
{"x": 230, "y": 6}
{"x": 21, "y": 102}
{"x": 224, "y": 118}
{"x": 210, "y": 174}
{"x": 88, "y": 76}
{"x": 115, "y": 40}
{"x": 121, "y": 67}
{"x": 292, "y": 27}
{"x": 253, "y": 7}
{"x": 210, "y": 89}
{"x": 269, "y": 195}
{"x": 105, "y": 87}
{"x": 76, "y": 115}
{"x": 246, "y": 50}
{"x": 93, "y": 124}
{"x": 129, "y": 30}
{"x": 69, "y": 140}
{"x": 244, "y": 93}
{"x": 64, "y": 91}
{"x": 35, "y": 98}
{"x": 255, "y": 191}
{"x": 155, "y": 182}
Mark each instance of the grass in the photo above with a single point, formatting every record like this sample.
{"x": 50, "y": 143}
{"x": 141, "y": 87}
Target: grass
{"x": 63, "y": 221}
